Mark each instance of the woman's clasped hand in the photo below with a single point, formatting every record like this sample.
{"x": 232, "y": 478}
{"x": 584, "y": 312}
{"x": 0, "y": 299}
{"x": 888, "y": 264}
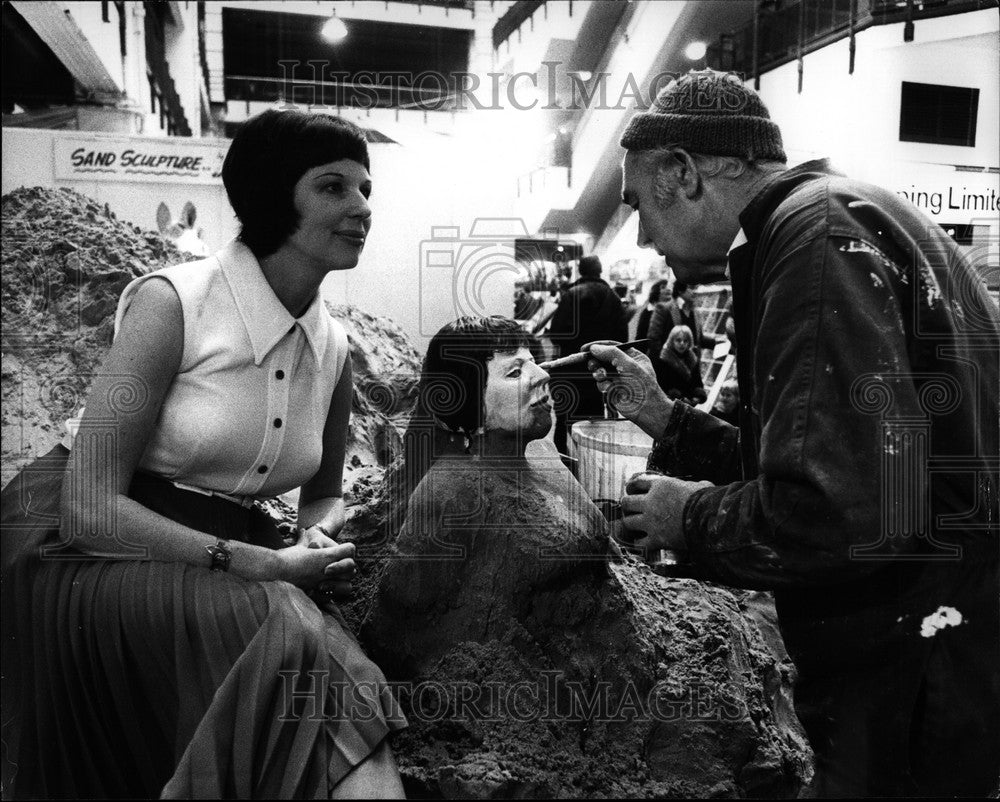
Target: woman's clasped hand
{"x": 324, "y": 567}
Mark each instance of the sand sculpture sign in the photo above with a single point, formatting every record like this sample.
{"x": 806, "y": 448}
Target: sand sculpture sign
{"x": 155, "y": 160}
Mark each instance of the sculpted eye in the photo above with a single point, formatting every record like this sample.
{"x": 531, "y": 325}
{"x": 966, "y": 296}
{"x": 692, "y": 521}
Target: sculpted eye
{"x": 514, "y": 374}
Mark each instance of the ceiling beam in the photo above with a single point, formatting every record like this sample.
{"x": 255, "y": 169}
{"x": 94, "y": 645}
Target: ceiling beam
{"x": 64, "y": 38}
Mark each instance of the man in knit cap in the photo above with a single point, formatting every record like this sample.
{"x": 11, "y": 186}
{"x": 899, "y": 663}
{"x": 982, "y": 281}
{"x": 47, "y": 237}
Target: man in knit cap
{"x": 861, "y": 484}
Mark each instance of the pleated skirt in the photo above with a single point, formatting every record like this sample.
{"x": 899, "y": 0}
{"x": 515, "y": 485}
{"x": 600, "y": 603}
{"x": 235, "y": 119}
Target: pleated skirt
{"x": 128, "y": 678}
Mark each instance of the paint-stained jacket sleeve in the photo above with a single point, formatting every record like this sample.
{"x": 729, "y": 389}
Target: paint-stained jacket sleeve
{"x": 697, "y": 446}
{"x": 827, "y": 316}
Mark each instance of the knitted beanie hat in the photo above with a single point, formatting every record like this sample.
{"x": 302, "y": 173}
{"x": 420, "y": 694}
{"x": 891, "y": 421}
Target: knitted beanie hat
{"x": 707, "y": 112}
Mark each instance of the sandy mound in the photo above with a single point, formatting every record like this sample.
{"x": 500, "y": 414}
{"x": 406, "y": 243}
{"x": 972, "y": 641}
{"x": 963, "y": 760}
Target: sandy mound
{"x": 531, "y": 665}
{"x": 386, "y": 372}
{"x": 65, "y": 261}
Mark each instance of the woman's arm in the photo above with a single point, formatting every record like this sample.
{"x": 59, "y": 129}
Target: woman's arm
{"x": 321, "y": 500}
{"x": 99, "y": 518}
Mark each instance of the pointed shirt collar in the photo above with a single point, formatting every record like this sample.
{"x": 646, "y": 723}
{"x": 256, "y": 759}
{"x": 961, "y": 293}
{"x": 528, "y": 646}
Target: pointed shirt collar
{"x": 739, "y": 240}
{"x": 265, "y": 318}
{"x": 774, "y": 190}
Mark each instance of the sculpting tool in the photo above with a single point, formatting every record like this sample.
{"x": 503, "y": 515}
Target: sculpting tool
{"x": 581, "y": 358}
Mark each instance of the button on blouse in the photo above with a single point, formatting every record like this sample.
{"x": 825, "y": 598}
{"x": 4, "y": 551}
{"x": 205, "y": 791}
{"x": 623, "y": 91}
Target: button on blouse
{"x": 246, "y": 411}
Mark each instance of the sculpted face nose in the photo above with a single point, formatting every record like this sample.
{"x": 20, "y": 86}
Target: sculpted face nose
{"x": 538, "y": 376}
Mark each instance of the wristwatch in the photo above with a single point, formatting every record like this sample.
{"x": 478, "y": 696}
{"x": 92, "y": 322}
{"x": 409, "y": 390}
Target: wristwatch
{"x": 221, "y": 555}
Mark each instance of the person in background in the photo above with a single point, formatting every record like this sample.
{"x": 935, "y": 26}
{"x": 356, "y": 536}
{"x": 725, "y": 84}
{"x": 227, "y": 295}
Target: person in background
{"x": 727, "y": 405}
{"x": 526, "y": 305}
{"x": 588, "y": 310}
{"x": 627, "y": 299}
{"x": 861, "y": 486}
{"x": 679, "y": 311}
{"x": 678, "y": 369}
{"x": 642, "y": 326}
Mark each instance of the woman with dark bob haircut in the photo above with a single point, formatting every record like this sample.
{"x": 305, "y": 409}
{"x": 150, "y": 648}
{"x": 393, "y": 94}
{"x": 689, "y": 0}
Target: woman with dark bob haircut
{"x": 161, "y": 640}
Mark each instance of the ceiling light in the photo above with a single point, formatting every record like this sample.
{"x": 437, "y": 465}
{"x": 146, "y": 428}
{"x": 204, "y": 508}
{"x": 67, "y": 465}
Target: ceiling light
{"x": 696, "y": 51}
{"x": 334, "y": 30}
{"x": 584, "y": 75}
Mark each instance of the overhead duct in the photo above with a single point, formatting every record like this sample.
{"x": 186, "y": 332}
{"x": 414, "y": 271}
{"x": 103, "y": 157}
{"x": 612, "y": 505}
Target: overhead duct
{"x": 56, "y": 28}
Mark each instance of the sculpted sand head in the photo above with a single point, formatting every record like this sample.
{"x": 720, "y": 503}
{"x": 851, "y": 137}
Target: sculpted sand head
{"x": 480, "y": 376}
{"x": 516, "y": 397}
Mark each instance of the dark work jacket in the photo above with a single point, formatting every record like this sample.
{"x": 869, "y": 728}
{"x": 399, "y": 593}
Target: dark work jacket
{"x": 589, "y": 310}
{"x": 861, "y": 485}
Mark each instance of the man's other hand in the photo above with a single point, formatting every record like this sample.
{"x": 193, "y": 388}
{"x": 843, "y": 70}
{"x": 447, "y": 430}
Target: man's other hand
{"x": 654, "y": 505}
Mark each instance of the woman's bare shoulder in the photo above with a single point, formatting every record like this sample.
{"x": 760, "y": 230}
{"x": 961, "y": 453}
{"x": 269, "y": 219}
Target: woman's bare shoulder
{"x": 156, "y": 295}
{"x": 151, "y": 326}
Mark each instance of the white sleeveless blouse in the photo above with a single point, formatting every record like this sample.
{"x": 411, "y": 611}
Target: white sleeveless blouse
{"x": 246, "y": 410}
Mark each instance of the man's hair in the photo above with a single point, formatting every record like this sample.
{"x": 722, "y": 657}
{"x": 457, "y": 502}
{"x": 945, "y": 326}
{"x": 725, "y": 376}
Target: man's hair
{"x": 679, "y": 288}
{"x": 266, "y": 159}
{"x": 655, "y": 291}
{"x": 454, "y": 370}
{"x": 709, "y": 166}
{"x": 590, "y": 266}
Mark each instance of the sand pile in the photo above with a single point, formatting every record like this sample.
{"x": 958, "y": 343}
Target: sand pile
{"x": 530, "y": 665}
{"x": 386, "y": 372}
{"x": 708, "y": 714}
{"x": 65, "y": 261}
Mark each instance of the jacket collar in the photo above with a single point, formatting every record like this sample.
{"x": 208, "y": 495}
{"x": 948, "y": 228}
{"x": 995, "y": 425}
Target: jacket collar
{"x": 756, "y": 213}
{"x": 264, "y": 317}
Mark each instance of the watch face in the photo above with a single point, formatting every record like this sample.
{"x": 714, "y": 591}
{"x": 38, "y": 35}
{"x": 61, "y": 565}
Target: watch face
{"x": 221, "y": 555}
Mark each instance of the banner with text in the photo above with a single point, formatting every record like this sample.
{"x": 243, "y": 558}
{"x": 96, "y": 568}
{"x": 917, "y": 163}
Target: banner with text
{"x": 106, "y": 159}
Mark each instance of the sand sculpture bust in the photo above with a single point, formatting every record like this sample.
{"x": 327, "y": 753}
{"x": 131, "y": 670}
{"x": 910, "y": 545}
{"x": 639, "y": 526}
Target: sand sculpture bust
{"x": 487, "y": 528}
{"x": 541, "y": 648}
